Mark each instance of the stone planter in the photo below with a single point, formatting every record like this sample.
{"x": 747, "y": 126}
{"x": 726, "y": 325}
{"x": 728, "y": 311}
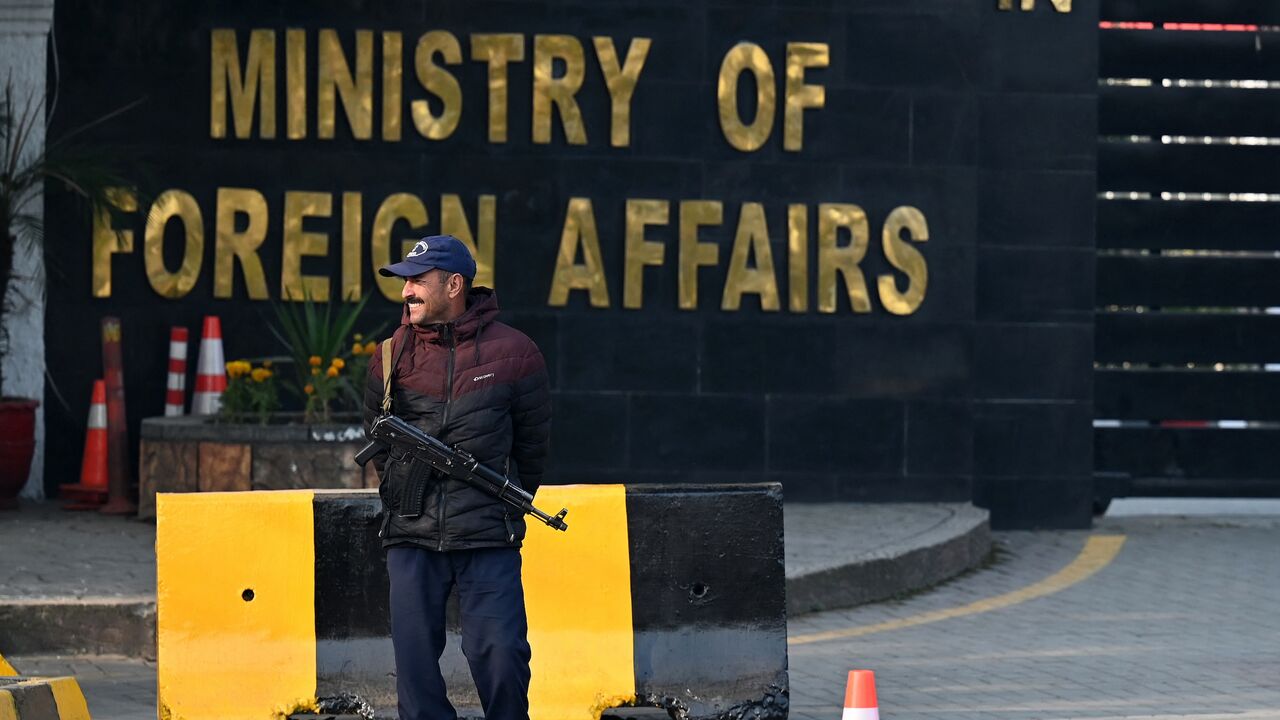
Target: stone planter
{"x": 197, "y": 454}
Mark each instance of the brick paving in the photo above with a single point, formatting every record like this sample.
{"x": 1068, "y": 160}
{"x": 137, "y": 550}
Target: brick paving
{"x": 1183, "y": 623}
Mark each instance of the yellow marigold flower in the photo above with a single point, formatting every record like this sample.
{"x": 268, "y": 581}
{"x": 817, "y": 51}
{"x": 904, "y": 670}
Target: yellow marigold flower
{"x": 315, "y": 361}
{"x": 315, "y": 371}
{"x": 357, "y": 349}
{"x": 357, "y": 337}
{"x": 261, "y": 374}
{"x": 369, "y": 347}
{"x": 339, "y": 363}
{"x": 331, "y": 372}
{"x": 308, "y": 388}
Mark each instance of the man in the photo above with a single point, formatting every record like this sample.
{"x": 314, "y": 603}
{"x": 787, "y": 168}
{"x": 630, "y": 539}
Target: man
{"x": 476, "y": 383}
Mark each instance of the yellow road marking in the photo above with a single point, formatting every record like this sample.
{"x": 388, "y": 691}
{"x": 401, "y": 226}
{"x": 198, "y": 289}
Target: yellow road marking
{"x": 1098, "y": 552}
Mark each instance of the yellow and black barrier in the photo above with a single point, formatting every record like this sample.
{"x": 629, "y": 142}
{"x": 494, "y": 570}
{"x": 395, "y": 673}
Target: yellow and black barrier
{"x": 658, "y": 595}
{"x": 37, "y": 698}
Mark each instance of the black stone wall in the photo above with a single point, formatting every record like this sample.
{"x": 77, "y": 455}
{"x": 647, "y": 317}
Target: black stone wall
{"x": 982, "y": 119}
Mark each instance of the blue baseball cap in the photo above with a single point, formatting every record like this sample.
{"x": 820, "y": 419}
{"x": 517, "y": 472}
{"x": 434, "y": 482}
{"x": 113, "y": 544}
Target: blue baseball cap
{"x": 442, "y": 252}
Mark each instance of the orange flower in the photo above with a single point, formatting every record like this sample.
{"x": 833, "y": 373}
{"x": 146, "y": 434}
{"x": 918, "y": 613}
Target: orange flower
{"x": 261, "y": 374}
{"x": 314, "y": 361}
{"x": 331, "y": 372}
{"x": 315, "y": 371}
{"x": 357, "y": 349}
{"x": 369, "y": 347}
{"x": 339, "y": 363}
{"x": 309, "y": 388}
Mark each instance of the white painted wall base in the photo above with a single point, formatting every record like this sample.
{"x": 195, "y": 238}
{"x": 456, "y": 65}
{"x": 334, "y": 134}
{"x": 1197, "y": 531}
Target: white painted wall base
{"x": 24, "y": 32}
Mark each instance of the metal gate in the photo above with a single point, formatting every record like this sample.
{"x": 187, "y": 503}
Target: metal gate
{"x": 1187, "y": 356}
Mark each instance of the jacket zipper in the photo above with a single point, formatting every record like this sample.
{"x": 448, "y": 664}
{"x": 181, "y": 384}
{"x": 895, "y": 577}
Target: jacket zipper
{"x": 444, "y": 421}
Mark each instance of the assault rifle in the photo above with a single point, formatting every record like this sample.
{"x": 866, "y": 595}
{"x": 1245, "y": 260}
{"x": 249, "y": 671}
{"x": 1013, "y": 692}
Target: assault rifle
{"x": 389, "y": 432}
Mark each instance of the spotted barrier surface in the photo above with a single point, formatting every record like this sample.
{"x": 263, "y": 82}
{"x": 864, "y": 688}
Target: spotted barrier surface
{"x": 658, "y": 595}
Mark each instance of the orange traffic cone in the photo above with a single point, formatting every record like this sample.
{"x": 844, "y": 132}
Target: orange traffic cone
{"x": 211, "y": 372}
{"x": 91, "y": 491}
{"x": 860, "y": 696}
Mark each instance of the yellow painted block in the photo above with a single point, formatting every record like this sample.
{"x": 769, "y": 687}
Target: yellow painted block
{"x": 577, "y": 587}
{"x": 235, "y": 584}
{"x": 69, "y": 698}
{"x": 6, "y": 668}
{"x": 8, "y": 708}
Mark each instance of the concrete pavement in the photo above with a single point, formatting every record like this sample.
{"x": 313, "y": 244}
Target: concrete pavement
{"x": 78, "y": 593}
{"x": 1181, "y": 623}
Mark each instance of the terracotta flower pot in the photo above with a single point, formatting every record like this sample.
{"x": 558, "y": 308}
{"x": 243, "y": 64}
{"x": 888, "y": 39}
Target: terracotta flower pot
{"x": 17, "y": 443}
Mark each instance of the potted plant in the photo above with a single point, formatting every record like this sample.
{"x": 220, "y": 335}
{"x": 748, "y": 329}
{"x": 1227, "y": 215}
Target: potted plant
{"x": 25, "y": 164}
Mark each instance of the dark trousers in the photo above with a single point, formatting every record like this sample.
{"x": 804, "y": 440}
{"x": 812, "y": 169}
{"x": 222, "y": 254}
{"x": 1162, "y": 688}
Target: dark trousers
{"x": 494, "y": 629}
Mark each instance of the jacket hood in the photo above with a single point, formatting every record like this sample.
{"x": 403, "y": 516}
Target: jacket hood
{"x": 482, "y": 309}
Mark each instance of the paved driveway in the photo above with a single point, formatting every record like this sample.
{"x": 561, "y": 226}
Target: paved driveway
{"x": 1182, "y": 621}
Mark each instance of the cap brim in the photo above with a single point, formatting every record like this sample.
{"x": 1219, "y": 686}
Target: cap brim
{"x": 402, "y": 270}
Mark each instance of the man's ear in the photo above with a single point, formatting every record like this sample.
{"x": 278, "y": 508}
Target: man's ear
{"x": 456, "y": 284}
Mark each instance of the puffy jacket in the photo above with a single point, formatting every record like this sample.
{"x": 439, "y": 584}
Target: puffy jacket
{"x": 477, "y": 384}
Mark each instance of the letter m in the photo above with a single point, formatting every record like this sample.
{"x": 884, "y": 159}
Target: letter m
{"x": 254, "y": 87}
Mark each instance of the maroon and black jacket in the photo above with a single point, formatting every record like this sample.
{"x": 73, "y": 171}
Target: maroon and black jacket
{"x": 477, "y": 384}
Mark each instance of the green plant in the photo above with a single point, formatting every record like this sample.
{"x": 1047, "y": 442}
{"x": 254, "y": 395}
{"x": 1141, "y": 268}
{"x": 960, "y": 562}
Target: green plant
{"x": 25, "y": 165}
{"x": 250, "y": 391}
{"x": 316, "y": 337}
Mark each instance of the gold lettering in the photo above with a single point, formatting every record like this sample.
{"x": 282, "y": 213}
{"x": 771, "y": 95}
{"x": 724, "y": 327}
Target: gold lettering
{"x": 1062, "y": 6}
{"x": 798, "y": 257}
{"x": 392, "y": 84}
{"x": 799, "y": 95}
{"x": 906, "y": 258}
{"x": 397, "y": 207}
{"x": 622, "y": 84}
{"x": 558, "y": 91}
{"x": 752, "y": 238}
{"x": 295, "y": 83}
{"x": 170, "y": 204}
{"x": 256, "y": 86}
{"x": 833, "y": 259}
{"x": 108, "y": 241}
{"x": 352, "y": 217}
{"x": 230, "y": 246}
{"x": 453, "y": 221}
{"x": 695, "y": 214}
{"x": 579, "y": 228}
{"x": 497, "y": 50}
{"x": 335, "y": 77}
{"x": 298, "y": 206}
{"x": 439, "y": 82}
{"x": 742, "y": 57}
{"x": 641, "y": 252}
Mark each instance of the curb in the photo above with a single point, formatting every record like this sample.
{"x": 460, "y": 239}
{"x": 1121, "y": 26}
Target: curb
{"x": 31, "y": 698}
{"x": 74, "y": 626}
{"x": 960, "y": 542}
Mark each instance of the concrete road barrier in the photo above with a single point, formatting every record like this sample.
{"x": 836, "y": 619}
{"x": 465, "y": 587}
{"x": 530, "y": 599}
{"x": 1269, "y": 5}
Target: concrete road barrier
{"x": 33, "y": 698}
{"x": 662, "y": 596}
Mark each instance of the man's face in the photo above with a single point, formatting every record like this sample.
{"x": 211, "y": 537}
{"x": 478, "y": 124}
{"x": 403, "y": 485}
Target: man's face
{"x": 427, "y": 297}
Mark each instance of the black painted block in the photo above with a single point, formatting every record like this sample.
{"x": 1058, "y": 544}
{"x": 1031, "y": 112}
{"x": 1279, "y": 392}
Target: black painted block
{"x": 1018, "y": 207}
{"x": 697, "y": 432}
{"x": 939, "y": 438}
{"x": 860, "y": 359}
{"x": 944, "y": 129}
{"x": 588, "y": 430}
{"x": 1033, "y": 440}
{"x": 1019, "y": 362}
{"x": 1013, "y": 130}
{"x": 629, "y": 353}
{"x": 1043, "y": 503}
{"x": 708, "y": 591}
{"x": 1035, "y": 284}
{"x": 835, "y": 435}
